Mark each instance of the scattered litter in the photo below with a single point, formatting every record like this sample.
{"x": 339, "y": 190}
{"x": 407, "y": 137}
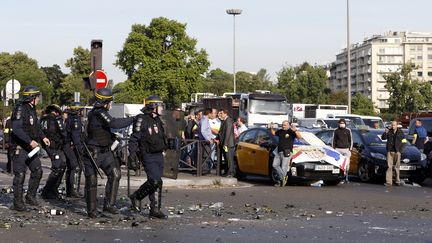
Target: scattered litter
{"x": 339, "y": 214}
{"x": 74, "y": 223}
{"x": 135, "y": 224}
{"x": 5, "y": 226}
{"x": 233, "y": 193}
{"x": 56, "y": 212}
{"x": 6, "y": 190}
{"x": 217, "y": 205}
{"x": 289, "y": 206}
{"x": 247, "y": 205}
{"x": 194, "y": 207}
{"x": 180, "y": 211}
{"x": 174, "y": 216}
{"x": 317, "y": 183}
{"x": 234, "y": 219}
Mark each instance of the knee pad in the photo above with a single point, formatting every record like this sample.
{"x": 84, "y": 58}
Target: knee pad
{"x": 36, "y": 173}
{"x": 19, "y": 178}
{"x": 114, "y": 174}
{"x": 91, "y": 181}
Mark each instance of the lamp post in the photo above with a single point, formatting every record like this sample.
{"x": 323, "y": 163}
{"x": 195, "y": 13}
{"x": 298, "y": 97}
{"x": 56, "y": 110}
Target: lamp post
{"x": 234, "y": 12}
{"x": 348, "y": 58}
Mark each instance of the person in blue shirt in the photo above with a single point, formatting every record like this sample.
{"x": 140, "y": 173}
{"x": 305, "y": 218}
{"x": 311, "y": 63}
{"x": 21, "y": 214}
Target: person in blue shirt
{"x": 420, "y": 136}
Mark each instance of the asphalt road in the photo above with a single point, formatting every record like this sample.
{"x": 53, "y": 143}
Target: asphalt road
{"x": 256, "y": 212}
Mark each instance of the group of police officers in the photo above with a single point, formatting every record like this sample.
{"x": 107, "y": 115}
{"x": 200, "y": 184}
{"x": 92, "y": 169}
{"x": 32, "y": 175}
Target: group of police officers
{"x": 72, "y": 148}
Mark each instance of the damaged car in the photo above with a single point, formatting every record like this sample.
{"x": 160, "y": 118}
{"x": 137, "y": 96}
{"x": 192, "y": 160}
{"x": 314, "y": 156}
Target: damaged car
{"x": 312, "y": 160}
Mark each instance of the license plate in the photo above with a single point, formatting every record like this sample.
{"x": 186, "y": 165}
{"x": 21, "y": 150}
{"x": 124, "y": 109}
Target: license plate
{"x": 324, "y": 167}
{"x": 407, "y": 167}
{"x": 336, "y": 171}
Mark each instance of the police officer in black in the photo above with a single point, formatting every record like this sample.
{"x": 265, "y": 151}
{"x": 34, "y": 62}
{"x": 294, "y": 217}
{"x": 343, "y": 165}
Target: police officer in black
{"x": 26, "y": 136}
{"x": 73, "y": 148}
{"x": 148, "y": 142}
{"x": 99, "y": 141}
{"x": 53, "y": 126}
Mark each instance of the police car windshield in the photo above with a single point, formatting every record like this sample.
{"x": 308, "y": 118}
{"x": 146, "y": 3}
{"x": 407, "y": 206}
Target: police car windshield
{"x": 373, "y": 139}
{"x": 356, "y": 120}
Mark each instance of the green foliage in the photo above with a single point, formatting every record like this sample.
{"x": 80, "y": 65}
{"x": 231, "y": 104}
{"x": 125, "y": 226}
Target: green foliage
{"x": 407, "y": 94}
{"x": 303, "y": 84}
{"x": 362, "y": 105}
{"x": 338, "y": 98}
{"x": 80, "y": 66}
{"x": 54, "y": 76}
{"x": 162, "y": 59}
{"x": 80, "y": 63}
{"x": 26, "y": 70}
{"x": 218, "y": 81}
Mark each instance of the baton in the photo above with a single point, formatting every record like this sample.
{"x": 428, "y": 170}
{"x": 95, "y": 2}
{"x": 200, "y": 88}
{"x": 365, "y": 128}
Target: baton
{"x": 93, "y": 161}
{"x": 80, "y": 164}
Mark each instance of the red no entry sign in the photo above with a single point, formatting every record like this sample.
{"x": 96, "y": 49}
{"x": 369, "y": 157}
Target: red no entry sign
{"x": 101, "y": 79}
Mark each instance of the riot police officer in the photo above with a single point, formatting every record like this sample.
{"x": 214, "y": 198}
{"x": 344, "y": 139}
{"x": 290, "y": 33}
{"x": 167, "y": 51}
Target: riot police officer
{"x": 99, "y": 141}
{"x": 73, "y": 149}
{"x": 26, "y": 136}
{"x": 53, "y": 126}
{"x": 148, "y": 142}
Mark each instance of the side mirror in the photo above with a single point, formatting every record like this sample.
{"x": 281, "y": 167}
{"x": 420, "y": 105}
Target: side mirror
{"x": 358, "y": 146}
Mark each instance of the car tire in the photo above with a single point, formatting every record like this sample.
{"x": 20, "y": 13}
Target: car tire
{"x": 273, "y": 175}
{"x": 332, "y": 182}
{"x": 363, "y": 172}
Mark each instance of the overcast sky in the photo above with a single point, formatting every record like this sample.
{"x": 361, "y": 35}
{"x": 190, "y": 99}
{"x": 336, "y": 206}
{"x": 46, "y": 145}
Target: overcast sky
{"x": 270, "y": 34}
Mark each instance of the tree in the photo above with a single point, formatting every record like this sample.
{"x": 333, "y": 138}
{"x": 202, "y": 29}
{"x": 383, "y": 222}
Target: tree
{"x": 218, "y": 81}
{"x": 362, "y": 105}
{"x": 80, "y": 66}
{"x": 54, "y": 76}
{"x": 26, "y": 70}
{"x": 162, "y": 59}
{"x": 407, "y": 94}
{"x": 303, "y": 83}
{"x": 338, "y": 98}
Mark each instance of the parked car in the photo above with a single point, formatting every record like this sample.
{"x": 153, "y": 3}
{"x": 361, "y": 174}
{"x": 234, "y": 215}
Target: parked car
{"x": 356, "y": 119}
{"x": 370, "y": 120}
{"x": 427, "y": 124}
{"x": 312, "y": 159}
{"x": 369, "y": 156}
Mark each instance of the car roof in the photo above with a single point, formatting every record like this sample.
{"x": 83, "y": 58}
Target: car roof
{"x": 347, "y": 115}
{"x": 371, "y": 117}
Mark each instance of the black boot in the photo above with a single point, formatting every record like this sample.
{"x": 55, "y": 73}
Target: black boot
{"x": 111, "y": 190}
{"x": 34, "y": 181}
{"x": 18, "y": 183}
{"x": 72, "y": 181}
{"x": 91, "y": 196}
{"x": 50, "y": 191}
{"x": 156, "y": 203}
{"x": 145, "y": 189}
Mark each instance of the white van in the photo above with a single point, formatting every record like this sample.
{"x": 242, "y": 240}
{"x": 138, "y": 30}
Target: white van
{"x": 370, "y": 120}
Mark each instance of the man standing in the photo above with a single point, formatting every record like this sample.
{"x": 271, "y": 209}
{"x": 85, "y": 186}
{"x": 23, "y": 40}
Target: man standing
{"x": 241, "y": 126}
{"x": 148, "y": 141}
{"x": 420, "y": 136}
{"x": 52, "y": 125}
{"x": 99, "y": 141}
{"x": 26, "y": 135}
{"x": 227, "y": 144}
{"x": 281, "y": 161}
{"x": 395, "y": 143}
{"x": 73, "y": 148}
{"x": 205, "y": 134}
{"x": 343, "y": 143}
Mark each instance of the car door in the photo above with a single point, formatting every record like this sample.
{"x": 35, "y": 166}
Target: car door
{"x": 246, "y": 150}
{"x": 355, "y": 153}
{"x": 261, "y": 154}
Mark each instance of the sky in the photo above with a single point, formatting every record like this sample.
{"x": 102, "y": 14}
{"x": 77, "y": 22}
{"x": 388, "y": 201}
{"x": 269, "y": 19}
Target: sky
{"x": 270, "y": 34}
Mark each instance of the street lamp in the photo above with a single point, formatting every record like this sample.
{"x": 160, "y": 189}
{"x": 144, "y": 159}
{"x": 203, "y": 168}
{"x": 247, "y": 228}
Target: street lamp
{"x": 348, "y": 58}
{"x": 234, "y": 12}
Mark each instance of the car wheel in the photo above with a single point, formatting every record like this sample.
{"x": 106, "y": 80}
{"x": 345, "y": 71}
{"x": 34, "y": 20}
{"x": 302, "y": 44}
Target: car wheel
{"x": 332, "y": 182}
{"x": 274, "y": 176}
{"x": 364, "y": 172}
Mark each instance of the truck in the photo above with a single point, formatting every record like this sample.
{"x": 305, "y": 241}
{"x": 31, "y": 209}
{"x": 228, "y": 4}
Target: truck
{"x": 260, "y": 109}
{"x": 301, "y": 111}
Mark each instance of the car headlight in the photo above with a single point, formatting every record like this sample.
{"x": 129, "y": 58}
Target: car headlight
{"x": 423, "y": 157}
{"x": 378, "y": 156}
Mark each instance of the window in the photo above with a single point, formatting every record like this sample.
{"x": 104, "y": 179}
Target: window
{"x": 419, "y": 57}
{"x": 420, "y": 48}
{"x": 420, "y": 74}
{"x": 262, "y": 137}
{"x": 429, "y": 49}
{"x": 248, "y": 136}
{"x": 430, "y": 74}
{"x": 430, "y": 57}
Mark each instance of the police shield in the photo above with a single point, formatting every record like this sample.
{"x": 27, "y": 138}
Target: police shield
{"x": 174, "y": 124}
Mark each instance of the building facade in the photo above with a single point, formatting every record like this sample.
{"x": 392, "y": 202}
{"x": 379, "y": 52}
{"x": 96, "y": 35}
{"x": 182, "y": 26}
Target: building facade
{"x": 377, "y": 56}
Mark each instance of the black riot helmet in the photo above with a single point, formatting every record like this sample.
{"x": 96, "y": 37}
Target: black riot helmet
{"x": 152, "y": 102}
{"x": 52, "y": 108}
{"x": 29, "y": 93}
{"x": 75, "y": 108}
{"x": 103, "y": 96}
